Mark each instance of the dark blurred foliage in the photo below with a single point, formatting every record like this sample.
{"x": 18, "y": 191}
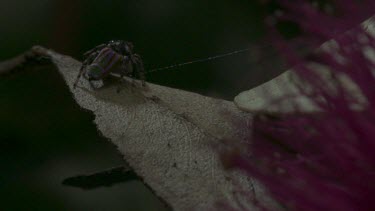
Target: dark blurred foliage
{"x": 45, "y": 137}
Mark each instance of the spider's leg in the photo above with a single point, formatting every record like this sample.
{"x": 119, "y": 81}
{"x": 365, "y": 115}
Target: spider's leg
{"x": 95, "y": 49}
{"x": 81, "y": 70}
{"x": 131, "y": 72}
{"x": 136, "y": 59}
{"x": 123, "y": 72}
{"x": 87, "y": 61}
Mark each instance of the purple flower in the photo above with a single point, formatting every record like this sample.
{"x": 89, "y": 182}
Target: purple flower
{"x": 323, "y": 160}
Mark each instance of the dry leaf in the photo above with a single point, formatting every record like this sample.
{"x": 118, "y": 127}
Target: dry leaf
{"x": 167, "y": 136}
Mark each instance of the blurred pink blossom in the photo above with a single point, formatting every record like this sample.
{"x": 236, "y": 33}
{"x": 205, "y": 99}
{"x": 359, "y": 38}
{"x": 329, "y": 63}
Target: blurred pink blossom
{"x": 325, "y": 160}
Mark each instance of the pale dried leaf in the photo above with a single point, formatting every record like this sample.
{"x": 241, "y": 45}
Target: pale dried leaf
{"x": 167, "y": 136}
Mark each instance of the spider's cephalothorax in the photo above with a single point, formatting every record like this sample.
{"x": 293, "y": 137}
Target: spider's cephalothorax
{"x": 113, "y": 57}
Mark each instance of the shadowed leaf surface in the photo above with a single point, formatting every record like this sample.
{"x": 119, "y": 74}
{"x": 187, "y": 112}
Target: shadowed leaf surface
{"x": 105, "y": 178}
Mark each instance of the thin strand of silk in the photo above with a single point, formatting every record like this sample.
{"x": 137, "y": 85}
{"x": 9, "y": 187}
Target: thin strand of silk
{"x": 199, "y": 60}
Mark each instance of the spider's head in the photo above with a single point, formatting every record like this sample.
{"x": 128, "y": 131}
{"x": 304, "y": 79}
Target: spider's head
{"x": 121, "y": 47}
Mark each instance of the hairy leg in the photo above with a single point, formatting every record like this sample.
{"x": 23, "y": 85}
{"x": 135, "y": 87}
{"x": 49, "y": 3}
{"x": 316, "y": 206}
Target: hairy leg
{"x": 95, "y": 49}
{"x": 139, "y": 68}
{"x": 87, "y": 61}
{"x": 123, "y": 72}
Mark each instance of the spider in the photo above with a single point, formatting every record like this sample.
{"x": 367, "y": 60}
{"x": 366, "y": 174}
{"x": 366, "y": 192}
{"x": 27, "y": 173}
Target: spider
{"x": 116, "y": 56}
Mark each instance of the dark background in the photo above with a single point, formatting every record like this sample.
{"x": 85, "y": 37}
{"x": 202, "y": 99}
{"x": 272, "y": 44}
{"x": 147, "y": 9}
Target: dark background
{"x": 45, "y": 137}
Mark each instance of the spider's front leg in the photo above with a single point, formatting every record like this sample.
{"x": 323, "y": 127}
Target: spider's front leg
{"x": 88, "y": 60}
{"x": 94, "y": 50}
{"x": 81, "y": 72}
{"x": 137, "y": 62}
{"x": 123, "y": 72}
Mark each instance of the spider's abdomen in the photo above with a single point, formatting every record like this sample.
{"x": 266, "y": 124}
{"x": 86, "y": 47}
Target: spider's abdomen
{"x": 103, "y": 64}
